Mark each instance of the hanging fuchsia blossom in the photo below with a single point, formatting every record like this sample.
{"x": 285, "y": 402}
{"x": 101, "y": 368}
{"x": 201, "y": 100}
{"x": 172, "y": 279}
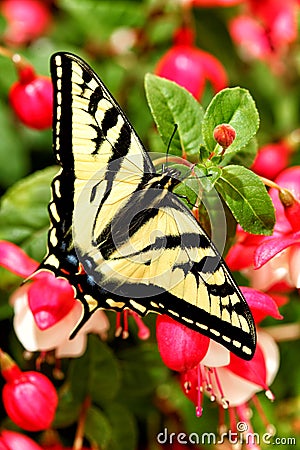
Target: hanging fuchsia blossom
{"x": 272, "y": 159}
{"x": 265, "y": 30}
{"x": 26, "y": 20}
{"x": 215, "y": 371}
{"x": 270, "y": 260}
{"x": 29, "y": 398}
{"x": 46, "y": 311}
{"x": 11, "y": 440}
{"x": 31, "y": 97}
{"x": 191, "y": 67}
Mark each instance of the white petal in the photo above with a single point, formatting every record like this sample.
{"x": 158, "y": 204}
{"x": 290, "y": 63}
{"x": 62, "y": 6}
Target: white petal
{"x": 236, "y": 389}
{"x": 72, "y": 347}
{"x": 271, "y": 354}
{"x": 294, "y": 265}
{"x": 34, "y": 339}
{"x": 217, "y": 355}
{"x": 98, "y": 323}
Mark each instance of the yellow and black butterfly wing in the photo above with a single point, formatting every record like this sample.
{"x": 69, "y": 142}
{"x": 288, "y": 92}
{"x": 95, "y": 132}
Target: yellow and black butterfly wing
{"x": 154, "y": 256}
{"x": 139, "y": 246}
{"x": 91, "y": 135}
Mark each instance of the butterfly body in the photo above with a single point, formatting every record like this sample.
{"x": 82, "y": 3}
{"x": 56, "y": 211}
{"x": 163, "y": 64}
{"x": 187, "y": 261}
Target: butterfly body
{"x": 118, "y": 234}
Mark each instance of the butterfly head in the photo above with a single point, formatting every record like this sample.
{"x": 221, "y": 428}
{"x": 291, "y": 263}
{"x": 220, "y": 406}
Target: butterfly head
{"x": 168, "y": 180}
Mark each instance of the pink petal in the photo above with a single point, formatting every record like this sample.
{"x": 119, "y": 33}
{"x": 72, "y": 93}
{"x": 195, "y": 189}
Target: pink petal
{"x": 50, "y": 300}
{"x": 270, "y": 274}
{"x": 254, "y": 370}
{"x": 251, "y": 36}
{"x": 271, "y": 246}
{"x": 239, "y": 257}
{"x": 34, "y": 339}
{"x": 213, "y": 70}
{"x": 15, "y": 259}
{"x": 261, "y": 304}
{"x": 180, "y": 347}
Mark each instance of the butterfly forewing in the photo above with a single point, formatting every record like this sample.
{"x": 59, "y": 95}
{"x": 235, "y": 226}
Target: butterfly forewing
{"x": 139, "y": 246}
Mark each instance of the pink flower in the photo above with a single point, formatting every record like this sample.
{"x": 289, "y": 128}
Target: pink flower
{"x": 26, "y": 20}
{"x": 189, "y": 66}
{"x": 29, "y": 398}
{"x": 211, "y": 3}
{"x": 180, "y": 347}
{"x": 31, "y": 97}
{"x": 46, "y": 311}
{"x": 266, "y": 30}
{"x": 11, "y": 440}
{"x": 272, "y": 260}
{"x": 272, "y": 159}
{"x": 235, "y": 382}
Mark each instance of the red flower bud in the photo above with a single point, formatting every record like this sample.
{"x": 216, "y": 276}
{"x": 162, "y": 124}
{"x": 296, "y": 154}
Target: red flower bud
{"x": 189, "y": 66}
{"x": 180, "y": 347}
{"x": 31, "y": 98}
{"x": 11, "y": 440}
{"x": 224, "y": 134}
{"x": 29, "y": 398}
{"x": 291, "y": 208}
{"x": 26, "y": 20}
{"x": 272, "y": 159}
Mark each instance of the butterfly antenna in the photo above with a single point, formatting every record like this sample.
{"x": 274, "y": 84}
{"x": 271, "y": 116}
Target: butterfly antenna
{"x": 169, "y": 144}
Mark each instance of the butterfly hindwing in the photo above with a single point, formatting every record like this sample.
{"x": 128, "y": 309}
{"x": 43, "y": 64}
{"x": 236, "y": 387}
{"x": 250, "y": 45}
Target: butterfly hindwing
{"x": 115, "y": 217}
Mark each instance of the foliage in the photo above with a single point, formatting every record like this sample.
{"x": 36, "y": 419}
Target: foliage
{"x": 132, "y": 395}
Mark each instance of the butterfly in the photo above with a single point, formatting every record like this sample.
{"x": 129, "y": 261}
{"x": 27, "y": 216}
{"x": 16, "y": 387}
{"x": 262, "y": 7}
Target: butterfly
{"x": 118, "y": 234}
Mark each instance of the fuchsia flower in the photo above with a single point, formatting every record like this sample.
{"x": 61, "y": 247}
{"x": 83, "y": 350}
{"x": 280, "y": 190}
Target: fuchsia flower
{"x": 29, "y": 398}
{"x": 270, "y": 260}
{"x": 11, "y": 440}
{"x": 31, "y": 97}
{"x": 45, "y": 309}
{"x": 211, "y": 3}
{"x": 215, "y": 371}
{"x": 266, "y": 30}
{"x": 272, "y": 159}
{"x": 26, "y": 20}
{"x": 189, "y": 66}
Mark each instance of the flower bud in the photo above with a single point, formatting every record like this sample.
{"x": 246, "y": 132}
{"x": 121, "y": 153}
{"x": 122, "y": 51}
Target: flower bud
{"x": 29, "y": 398}
{"x": 272, "y": 159}
{"x": 31, "y": 98}
{"x": 11, "y": 440}
{"x": 189, "y": 66}
{"x": 26, "y": 20}
{"x": 180, "y": 347}
{"x": 224, "y": 134}
{"x": 289, "y": 181}
{"x": 291, "y": 208}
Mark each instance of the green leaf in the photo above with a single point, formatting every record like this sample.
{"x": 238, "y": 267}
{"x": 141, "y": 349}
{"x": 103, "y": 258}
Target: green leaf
{"x": 14, "y": 158}
{"x": 103, "y": 17}
{"x": 243, "y": 157}
{"x": 97, "y": 428}
{"x": 236, "y": 107}
{"x": 124, "y": 436}
{"x": 207, "y": 175}
{"x": 24, "y": 217}
{"x": 172, "y": 105}
{"x": 247, "y": 198}
{"x": 142, "y": 370}
{"x": 68, "y": 409}
{"x": 96, "y": 373}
